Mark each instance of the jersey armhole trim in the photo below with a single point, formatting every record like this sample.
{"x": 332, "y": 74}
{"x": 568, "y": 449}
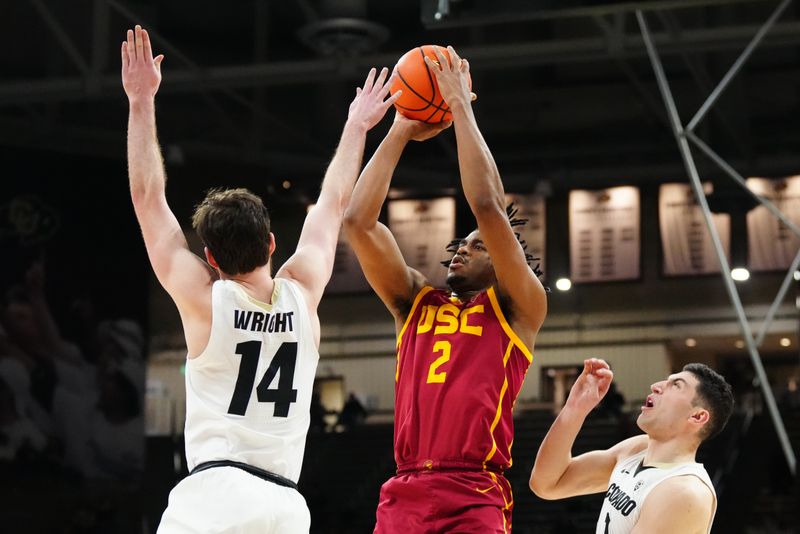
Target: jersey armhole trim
{"x": 506, "y": 327}
{"x": 422, "y": 292}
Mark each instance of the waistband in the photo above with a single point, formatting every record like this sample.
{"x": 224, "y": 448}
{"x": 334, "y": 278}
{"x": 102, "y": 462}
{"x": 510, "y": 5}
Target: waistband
{"x": 255, "y": 471}
{"x": 447, "y": 465}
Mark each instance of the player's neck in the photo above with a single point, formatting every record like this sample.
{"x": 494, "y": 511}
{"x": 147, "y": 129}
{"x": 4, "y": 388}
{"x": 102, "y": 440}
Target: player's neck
{"x": 258, "y": 283}
{"x": 669, "y": 452}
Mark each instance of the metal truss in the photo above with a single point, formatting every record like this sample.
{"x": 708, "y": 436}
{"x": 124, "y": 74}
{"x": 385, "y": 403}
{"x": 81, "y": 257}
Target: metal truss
{"x": 685, "y": 135}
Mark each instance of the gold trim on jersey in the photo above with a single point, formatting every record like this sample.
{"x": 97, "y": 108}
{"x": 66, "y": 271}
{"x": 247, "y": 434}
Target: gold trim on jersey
{"x": 499, "y": 406}
{"x": 260, "y": 303}
{"x": 422, "y": 292}
{"x": 506, "y": 327}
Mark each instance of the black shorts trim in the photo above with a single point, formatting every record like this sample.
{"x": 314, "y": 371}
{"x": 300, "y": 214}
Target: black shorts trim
{"x": 255, "y": 471}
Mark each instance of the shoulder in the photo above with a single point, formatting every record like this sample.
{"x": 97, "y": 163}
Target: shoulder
{"x": 685, "y": 495}
{"x": 630, "y": 448}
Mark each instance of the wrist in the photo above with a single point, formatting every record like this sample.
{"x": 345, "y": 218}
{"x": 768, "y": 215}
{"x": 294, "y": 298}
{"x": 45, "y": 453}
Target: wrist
{"x": 139, "y": 104}
{"x": 460, "y": 107}
{"x": 356, "y": 127}
{"x": 402, "y": 131}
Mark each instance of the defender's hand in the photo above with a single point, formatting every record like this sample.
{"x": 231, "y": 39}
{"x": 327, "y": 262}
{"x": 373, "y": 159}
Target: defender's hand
{"x": 591, "y": 386}
{"x": 141, "y": 73}
{"x": 370, "y": 104}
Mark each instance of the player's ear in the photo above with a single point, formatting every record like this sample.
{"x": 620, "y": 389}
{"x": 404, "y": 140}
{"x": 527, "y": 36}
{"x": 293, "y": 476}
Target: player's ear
{"x": 210, "y": 258}
{"x": 271, "y": 244}
{"x": 700, "y": 417}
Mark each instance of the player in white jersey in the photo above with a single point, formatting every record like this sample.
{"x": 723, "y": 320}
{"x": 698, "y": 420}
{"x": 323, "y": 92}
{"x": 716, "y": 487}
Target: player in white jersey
{"x": 652, "y": 483}
{"x": 252, "y": 339}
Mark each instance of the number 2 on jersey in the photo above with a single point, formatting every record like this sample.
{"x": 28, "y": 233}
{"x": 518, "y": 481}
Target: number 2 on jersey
{"x": 433, "y": 376}
{"x": 284, "y": 361}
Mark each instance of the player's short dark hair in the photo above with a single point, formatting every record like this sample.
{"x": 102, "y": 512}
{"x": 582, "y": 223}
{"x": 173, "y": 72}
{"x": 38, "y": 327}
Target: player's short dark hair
{"x": 714, "y": 394}
{"x": 515, "y": 221}
{"x": 234, "y": 225}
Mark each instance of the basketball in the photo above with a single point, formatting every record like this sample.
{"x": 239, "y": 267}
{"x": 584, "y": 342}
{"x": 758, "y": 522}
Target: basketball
{"x": 420, "y": 99}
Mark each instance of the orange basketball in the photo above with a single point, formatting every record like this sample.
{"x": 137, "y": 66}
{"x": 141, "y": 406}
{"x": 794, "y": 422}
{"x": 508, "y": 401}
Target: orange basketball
{"x": 420, "y": 99}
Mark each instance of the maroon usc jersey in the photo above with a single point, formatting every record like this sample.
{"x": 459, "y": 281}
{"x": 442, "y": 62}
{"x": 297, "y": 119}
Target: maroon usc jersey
{"x": 459, "y": 370}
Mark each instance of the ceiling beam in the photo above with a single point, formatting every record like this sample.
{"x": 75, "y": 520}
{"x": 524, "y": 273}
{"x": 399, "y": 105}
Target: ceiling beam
{"x": 486, "y": 58}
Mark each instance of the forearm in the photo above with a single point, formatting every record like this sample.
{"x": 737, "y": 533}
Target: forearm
{"x": 145, "y": 164}
{"x": 373, "y": 185}
{"x": 555, "y": 452}
{"x": 337, "y": 186}
{"x": 480, "y": 178}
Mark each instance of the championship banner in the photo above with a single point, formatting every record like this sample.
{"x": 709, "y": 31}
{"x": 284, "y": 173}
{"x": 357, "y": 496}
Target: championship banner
{"x": 423, "y": 229}
{"x": 685, "y": 240}
{"x": 604, "y": 228}
{"x": 347, "y": 275}
{"x": 531, "y": 207}
{"x": 773, "y": 246}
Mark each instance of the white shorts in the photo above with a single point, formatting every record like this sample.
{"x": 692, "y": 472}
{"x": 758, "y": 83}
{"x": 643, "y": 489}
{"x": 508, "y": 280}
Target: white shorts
{"x": 227, "y": 499}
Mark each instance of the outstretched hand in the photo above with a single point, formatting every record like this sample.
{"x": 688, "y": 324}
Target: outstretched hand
{"x": 591, "y": 386}
{"x": 141, "y": 72}
{"x": 452, "y": 76}
{"x": 370, "y": 104}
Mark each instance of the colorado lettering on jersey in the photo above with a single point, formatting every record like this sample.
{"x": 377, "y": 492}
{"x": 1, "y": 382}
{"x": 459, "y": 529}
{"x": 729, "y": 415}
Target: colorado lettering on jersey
{"x": 620, "y": 500}
{"x": 255, "y": 321}
{"x": 449, "y": 319}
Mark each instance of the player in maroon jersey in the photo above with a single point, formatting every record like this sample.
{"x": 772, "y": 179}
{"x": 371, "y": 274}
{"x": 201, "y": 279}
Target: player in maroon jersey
{"x": 462, "y": 354}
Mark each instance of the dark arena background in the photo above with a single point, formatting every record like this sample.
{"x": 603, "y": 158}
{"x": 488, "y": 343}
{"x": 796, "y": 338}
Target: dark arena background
{"x": 606, "y": 118}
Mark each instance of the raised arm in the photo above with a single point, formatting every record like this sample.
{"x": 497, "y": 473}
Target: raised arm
{"x": 378, "y": 253}
{"x": 556, "y": 474}
{"x": 312, "y": 263}
{"x": 483, "y": 189}
{"x": 184, "y": 275}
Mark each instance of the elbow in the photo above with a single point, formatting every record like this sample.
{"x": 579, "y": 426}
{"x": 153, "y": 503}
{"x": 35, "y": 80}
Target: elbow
{"x": 489, "y": 205}
{"x": 353, "y": 222}
{"x": 543, "y": 491}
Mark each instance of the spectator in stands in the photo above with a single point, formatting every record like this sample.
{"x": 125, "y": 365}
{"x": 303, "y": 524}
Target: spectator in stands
{"x": 318, "y": 412}
{"x": 353, "y": 413}
{"x": 612, "y": 404}
{"x": 682, "y": 411}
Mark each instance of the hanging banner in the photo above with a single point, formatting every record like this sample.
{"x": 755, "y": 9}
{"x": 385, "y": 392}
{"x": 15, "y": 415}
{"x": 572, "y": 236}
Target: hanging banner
{"x": 423, "y": 229}
{"x": 604, "y": 229}
{"x": 531, "y": 207}
{"x": 772, "y": 245}
{"x": 347, "y": 275}
{"x": 685, "y": 240}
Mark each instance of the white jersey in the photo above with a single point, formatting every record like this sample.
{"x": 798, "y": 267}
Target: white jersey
{"x": 629, "y": 486}
{"x": 248, "y": 394}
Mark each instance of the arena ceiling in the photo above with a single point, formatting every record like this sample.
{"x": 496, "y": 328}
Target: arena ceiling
{"x": 567, "y": 95}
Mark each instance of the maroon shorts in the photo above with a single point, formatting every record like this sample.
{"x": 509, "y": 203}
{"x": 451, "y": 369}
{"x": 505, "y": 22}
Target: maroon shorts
{"x": 433, "y": 502}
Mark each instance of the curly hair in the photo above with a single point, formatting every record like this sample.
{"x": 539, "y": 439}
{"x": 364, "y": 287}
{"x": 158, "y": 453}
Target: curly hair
{"x": 515, "y": 221}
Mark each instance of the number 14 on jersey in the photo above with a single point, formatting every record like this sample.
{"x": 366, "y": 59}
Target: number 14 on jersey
{"x": 285, "y": 360}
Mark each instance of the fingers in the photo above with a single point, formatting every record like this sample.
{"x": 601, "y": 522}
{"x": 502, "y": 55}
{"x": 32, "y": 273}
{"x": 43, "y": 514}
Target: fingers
{"x": 473, "y": 97}
{"x": 159, "y": 58}
{"x": 146, "y": 47}
{"x": 131, "y": 47}
{"x": 387, "y": 87}
{"x": 455, "y": 58}
{"x": 381, "y": 78}
{"x": 370, "y": 80}
{"x": 124, "y": 50}
{"x": 138, "y": 41}
{"x": 442, "y": 60}
{"x": 392, "y": 99}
